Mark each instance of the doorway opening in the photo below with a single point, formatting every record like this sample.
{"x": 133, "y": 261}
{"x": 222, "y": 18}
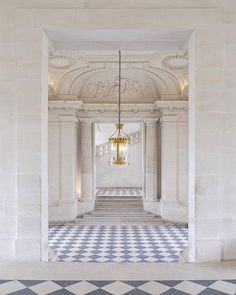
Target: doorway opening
{"x": 87, "y": 201}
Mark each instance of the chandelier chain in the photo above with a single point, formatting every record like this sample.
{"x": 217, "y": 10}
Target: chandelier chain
{"x": 119, "y": 86}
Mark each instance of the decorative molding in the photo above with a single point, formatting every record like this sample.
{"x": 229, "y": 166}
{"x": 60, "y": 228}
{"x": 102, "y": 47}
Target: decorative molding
{"x": 129, "y": 88}
{"x": 92, "y": 78}
{"x": 60, "y": 59}
{"x": 66, "y": 105}
{"x": 130, "y": 112}
{"x": 176, "y": 63}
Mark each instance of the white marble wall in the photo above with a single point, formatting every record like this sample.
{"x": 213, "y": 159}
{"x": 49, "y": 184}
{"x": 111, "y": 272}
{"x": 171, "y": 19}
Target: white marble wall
{"x": 120, "y": 176}
{"x": 8, "y": 136}
{"x": 24, "y": 115}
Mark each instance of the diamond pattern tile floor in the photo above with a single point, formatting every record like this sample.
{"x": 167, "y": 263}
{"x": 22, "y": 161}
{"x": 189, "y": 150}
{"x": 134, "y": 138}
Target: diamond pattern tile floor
{"x": 119, "y": 191}
{"x": 118, "y": 243}
{"x": 30, "y": 287}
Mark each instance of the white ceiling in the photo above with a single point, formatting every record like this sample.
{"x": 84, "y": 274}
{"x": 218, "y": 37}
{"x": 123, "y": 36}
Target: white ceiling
{"x": 119, "y": 39}
{"x": 83, "y": 65}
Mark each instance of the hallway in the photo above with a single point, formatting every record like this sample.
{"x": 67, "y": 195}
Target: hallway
{"x": 118, "y": 243}
{"x": 118, "y": 230}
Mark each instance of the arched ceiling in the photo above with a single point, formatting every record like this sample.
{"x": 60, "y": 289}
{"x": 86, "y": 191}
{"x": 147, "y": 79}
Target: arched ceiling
{"x": 92, "y": 77}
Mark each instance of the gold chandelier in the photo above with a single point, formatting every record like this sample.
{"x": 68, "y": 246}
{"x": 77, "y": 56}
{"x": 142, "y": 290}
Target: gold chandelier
{"x": 119, "y": 141}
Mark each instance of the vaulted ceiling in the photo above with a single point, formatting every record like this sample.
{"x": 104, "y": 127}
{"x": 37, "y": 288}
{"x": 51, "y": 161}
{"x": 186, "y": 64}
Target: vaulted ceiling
{"x": 92, "y": 76}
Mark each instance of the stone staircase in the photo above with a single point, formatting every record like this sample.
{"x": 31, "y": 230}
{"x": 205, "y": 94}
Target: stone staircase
{"x": 118, "y": 210}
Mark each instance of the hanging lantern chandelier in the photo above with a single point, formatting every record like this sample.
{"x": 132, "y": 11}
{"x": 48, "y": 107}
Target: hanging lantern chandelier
{"x": 119, "y": 141}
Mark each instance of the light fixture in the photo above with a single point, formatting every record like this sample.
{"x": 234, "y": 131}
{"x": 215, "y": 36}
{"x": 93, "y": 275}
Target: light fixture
{"x": 119, "y": 141}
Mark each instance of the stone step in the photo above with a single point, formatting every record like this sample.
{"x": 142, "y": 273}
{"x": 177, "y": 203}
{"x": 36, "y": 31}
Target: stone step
{"x": 107, "y": 214}
{"x": 119, "y": 204}
{"x": 118, "y": 209}
{"x": 119, "y": 201}
{"x": 107, "y": 208}
{"x": 118, "y": 218}
{"x": 119, "y": 223}
{"x": 118, "y": 198}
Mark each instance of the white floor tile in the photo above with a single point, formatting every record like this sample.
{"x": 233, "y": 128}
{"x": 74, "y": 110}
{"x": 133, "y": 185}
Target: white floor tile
{"x": 117, "y": 288}
{"x": 154, "y": 288}
{"x": 224, "y": 287}
{"x": 81, "y": 288}
{"x": 45, "y": 288}
{"x": 10, "y": 287}
{"x": 190, "y": 287}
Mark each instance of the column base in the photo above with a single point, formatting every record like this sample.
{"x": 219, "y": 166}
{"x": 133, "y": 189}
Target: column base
{"x": 52, "y": 255}
{"x": 173, "y": 211}
{"x": 85, "y": 207}
{"x": 152, "y": 207}
{"x": 63, "y": 212}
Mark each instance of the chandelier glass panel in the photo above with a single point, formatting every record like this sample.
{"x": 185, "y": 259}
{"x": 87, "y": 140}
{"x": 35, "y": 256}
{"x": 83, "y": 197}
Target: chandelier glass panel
{"x": 119, "y": 141}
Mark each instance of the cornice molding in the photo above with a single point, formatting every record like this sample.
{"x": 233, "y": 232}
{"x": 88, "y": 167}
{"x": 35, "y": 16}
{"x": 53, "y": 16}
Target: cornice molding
{"x": 102, "y": 107}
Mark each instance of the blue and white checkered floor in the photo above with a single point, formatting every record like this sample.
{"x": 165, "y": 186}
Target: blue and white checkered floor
{"x": 118, "y": 243}
{"x": 119, "y": 191}
{"x": 196, "y": 287}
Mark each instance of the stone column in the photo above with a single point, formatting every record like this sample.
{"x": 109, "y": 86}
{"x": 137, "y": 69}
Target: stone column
{"x": 86, "y": 203}
{"x": 151, "y": 200}
{"x": 174, "y": 155}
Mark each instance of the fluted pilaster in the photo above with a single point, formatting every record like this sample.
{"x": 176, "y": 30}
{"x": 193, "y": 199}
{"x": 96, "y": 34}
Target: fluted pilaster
{"x": 86, "y": 160}
{"x": 151, "y": 160}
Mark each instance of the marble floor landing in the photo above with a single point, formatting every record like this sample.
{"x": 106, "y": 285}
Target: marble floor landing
{"x": 119, "y": 191}
{"x": 118, "y": 243}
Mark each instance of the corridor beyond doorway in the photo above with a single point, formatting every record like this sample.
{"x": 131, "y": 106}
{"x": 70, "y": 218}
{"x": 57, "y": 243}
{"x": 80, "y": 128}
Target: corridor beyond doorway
{"x": 118, "y": 230}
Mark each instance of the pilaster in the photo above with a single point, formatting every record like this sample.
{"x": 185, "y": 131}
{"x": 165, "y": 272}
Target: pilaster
{"x": 86, "y": 203}
{"x": 62, "y": 173}
{"x": 174, "y": 168}
{"x": 151, "y": 199}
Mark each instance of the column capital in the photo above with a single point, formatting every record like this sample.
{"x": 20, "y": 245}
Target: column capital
{"x": 85, "y": 121}
{"x": 68, "y": 118}
{"x": 151, "y": 121}
{"x": 169, "y": 118}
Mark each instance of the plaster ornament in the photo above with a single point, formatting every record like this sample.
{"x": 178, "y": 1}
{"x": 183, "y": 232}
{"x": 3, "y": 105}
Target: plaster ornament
{"x": 129, "y": 88}
{"x": 176, "y": 63}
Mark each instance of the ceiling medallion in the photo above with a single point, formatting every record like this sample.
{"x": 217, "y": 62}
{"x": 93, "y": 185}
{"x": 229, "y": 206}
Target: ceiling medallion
{"x": 177, "y": 62}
